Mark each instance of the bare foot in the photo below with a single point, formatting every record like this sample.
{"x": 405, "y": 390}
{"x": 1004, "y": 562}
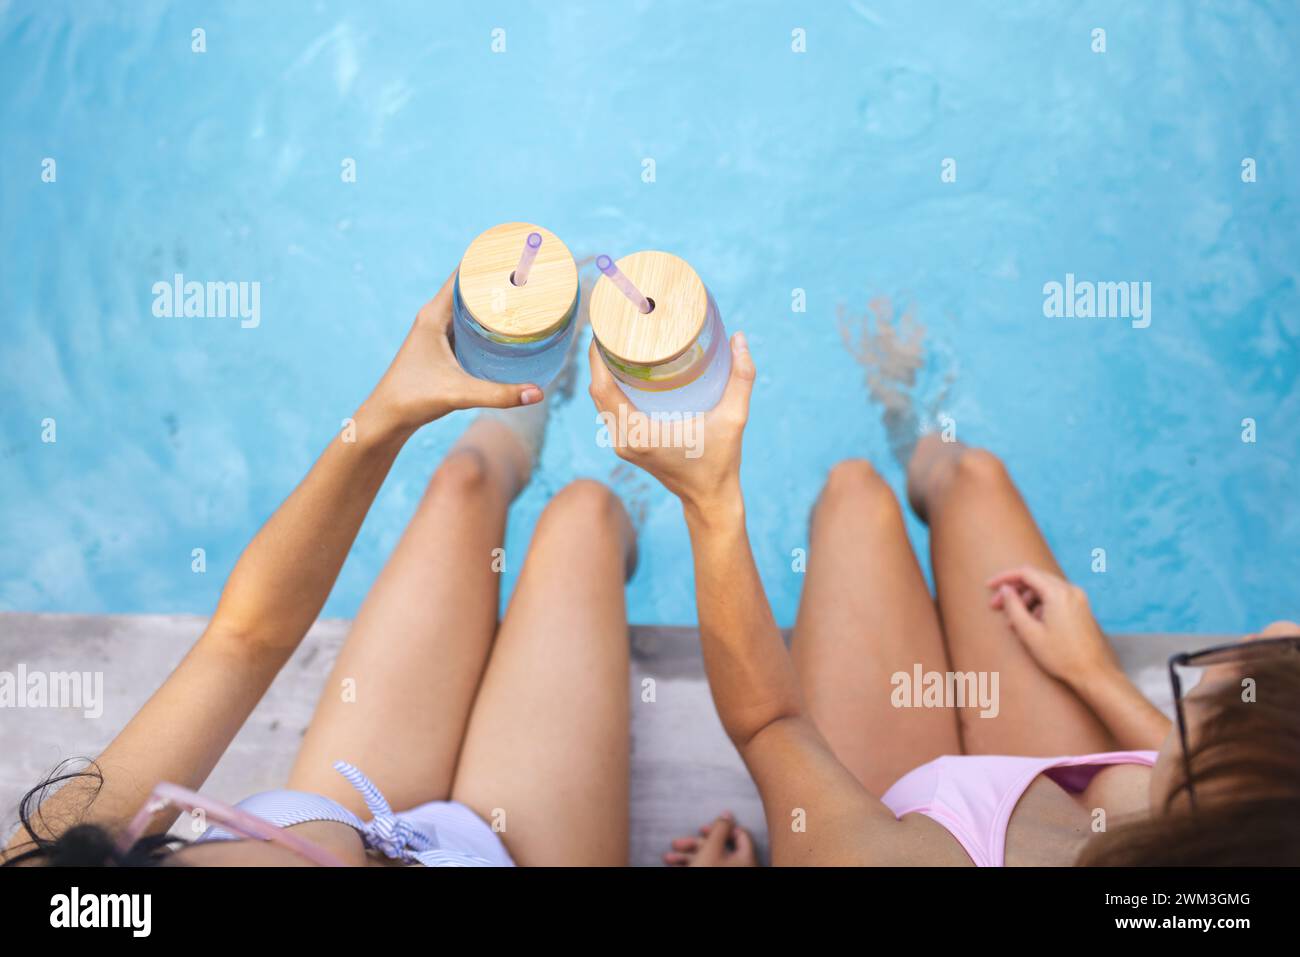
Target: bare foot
{"x": 724, "y": 843}
{"x": 902, "y": 371}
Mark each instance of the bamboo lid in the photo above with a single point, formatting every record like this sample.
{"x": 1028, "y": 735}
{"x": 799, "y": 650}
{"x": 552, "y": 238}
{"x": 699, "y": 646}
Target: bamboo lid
{"x": 680, "y": 307}
{"x": 536, "y": 308}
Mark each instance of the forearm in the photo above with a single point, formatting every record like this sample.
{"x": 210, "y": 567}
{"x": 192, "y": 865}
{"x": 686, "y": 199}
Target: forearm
{"x": 178, "y": 735}
{"x": 281, "y": 581}
{"x": 1132, "y": 720}
{"x": 274, "y": 593}
{"x": 749, "y": 669}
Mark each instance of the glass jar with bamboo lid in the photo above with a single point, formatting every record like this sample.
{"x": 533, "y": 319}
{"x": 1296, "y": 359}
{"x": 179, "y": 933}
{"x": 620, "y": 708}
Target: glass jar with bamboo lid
{"x": 659, "y": 333}
{"x": 515, "y": 302}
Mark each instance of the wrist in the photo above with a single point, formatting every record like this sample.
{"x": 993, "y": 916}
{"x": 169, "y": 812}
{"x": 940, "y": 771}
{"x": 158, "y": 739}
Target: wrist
{"x": 379, "y": 424}
{"x": 720, "y": 506}
{"x": 392, "y": 409}
{"x": 1095, "y": 678}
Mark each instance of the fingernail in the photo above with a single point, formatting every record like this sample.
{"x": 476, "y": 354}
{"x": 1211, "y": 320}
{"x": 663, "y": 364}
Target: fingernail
{"x": 530, "y": 396}
{"x": 739, "y": 343}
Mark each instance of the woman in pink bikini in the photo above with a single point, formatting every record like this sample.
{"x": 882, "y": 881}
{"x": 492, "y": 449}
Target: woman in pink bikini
{"x": 1075, "y": 766}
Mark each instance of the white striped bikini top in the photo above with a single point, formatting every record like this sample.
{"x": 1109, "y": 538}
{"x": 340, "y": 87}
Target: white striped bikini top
{"x": 396, "y": 836}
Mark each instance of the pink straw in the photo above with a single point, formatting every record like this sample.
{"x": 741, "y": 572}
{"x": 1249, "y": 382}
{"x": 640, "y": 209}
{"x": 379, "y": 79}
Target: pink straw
{"x": 531, "y": 245}
{"x": 606, "y": 265}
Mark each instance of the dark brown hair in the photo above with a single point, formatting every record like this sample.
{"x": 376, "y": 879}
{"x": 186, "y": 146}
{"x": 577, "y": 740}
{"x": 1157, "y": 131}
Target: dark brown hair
{"x": 1245, "y": 766}
{"x": 82, "y": 845}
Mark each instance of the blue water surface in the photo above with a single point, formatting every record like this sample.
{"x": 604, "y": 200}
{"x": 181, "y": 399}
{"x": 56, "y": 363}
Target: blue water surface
{"x": 774, "y": 171}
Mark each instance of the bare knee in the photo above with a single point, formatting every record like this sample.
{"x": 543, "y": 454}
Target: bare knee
{"x": 591, "y": 506}
{"x": 939, "y": 469}
{"x": 854, "y": 489}
{"x": 585, "y": 500}
{"x": 978, "y": 468}
{"x": 462, "y": 474}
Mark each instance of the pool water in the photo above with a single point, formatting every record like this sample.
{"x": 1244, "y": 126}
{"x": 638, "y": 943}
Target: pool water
{"x": 821, "y": 179}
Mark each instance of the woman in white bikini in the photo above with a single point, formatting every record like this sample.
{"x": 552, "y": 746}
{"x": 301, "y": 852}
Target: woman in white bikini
{"x": 1076, "y": 766}
{"x": 441, "y": 736}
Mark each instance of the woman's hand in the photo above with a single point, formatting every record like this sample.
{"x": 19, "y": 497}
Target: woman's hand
{"x": 425, "y": 381}
{"x": 696, "y": 458}
{"x": 1053, "y": 619}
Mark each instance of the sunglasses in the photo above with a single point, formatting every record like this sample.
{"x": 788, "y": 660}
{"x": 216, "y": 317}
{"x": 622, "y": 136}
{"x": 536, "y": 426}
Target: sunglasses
{"x": 183, "y": 800}
{"x": 1239, "y": 653}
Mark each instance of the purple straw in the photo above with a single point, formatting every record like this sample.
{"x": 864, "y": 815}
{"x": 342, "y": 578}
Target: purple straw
{"x": 531, "y": 245}
{"x": 606, "y": 265}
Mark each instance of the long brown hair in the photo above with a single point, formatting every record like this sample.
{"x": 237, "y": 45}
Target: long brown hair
{"x": 1245, "y": 765}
